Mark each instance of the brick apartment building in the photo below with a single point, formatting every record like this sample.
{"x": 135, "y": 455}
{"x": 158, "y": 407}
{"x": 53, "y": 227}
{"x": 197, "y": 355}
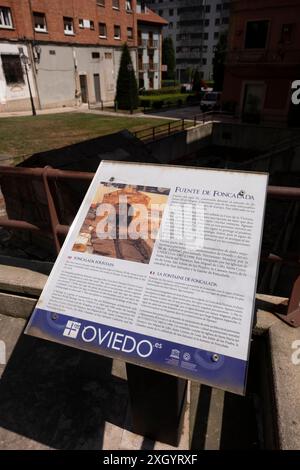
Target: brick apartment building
{"x": 73, "y": 49}
{"x": 263, "y": 59}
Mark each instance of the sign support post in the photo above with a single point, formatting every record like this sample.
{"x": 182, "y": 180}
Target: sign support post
{"x": 157, "y": 404}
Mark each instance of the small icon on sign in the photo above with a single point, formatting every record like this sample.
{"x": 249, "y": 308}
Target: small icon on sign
{"x": 72, "y": 329}
{"x": 175, "y": 353}
{"x": 186, "y": 356}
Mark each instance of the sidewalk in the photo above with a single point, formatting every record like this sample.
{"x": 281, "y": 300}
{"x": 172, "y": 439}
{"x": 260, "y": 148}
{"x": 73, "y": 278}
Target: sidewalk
{"x": 82, "y": 109}
{"x": 41, "y": 112}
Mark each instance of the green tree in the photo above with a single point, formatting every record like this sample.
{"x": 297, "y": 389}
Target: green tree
{"x": 168, "y": 58}
{"x": 197, "y": 81}
{"x": 127, "y": 91}
{"x": 219, "y": 62}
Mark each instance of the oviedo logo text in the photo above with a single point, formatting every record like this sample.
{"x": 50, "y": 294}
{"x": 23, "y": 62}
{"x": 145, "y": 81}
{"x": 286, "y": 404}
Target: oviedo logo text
{"x": 108, "y": 339}
{"x": 296, "y": 93}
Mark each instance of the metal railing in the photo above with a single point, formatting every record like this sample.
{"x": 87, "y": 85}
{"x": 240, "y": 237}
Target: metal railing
{"x": 143, "y": 67}
{"x": 57, "y": 230}
{"x": 160, "y": 131}
{"x": 152, "y": 44}
{"x": 164, "y": 130}
{"x": 142, "y": 43}
{"x": 153, "y": 67}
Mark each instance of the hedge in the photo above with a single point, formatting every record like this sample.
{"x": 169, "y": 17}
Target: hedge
{"x": 159, "y": 101}
{"x": 161, "y": 91}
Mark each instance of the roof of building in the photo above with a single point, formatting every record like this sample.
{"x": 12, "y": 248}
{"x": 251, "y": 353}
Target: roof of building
{"x": 150, "y": 17}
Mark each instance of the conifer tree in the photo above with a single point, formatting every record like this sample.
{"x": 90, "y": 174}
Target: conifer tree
{"x": 127, "y": 90}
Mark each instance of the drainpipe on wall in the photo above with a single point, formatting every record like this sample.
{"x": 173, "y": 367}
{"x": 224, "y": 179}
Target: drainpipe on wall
{"x": 29, "y": 45}
{"x": 76, "y": 78}
{"x": 34, "y": 72}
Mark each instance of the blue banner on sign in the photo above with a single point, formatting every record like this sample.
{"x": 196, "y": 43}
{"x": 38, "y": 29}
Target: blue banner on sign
{"x": 208, "y": 367}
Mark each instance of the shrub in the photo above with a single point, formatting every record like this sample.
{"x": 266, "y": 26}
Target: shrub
{"x": 170, "y": 83}
{"x": 161, "y": 91}
{"x": 157, "y": 104}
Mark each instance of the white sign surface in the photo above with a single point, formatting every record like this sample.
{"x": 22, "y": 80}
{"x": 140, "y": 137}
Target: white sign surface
{"x": 159, "y": 268}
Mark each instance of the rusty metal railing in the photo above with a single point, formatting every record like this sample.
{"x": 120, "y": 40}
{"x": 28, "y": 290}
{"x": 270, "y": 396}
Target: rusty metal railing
{"x": 153, "y": 133}
{"x": 57, "y": 229}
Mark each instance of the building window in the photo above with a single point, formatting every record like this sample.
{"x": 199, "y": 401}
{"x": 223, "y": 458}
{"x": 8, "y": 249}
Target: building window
{"x": 117, "y": 32}
{"x": 218, "y": 7}
{"x": 108, "y": 55}
{"x": 171, "y": 12}
{"x": 129, "y": 33}
{"x": 5, "y": 18}
{"x": 116, "y": 4}
{"x": 160, "y": 12}
{"x": 81, "y": 23}
{"x": 102, "y": 30}
{"x": 216, "y": 35}
{"x": 256, "y": 34}
{"x": 12, "y": 69}
{"x": 204, "y": 61}
{"x": 101, "y": 3}
{"x": 128, "y": 5}
{"x": 205, "y": 36}
{"x": 207, "y": 9}
{"x": 225, "y": 20}
{"x": 287, "y": 33}
{"x": 171, "y": 25}
{"x": 95, "y": 55}
{"x": 92, "y": 25}
{"x": 52, "y": 52}
{"x": 40, "y": 24}
{"x": 206, "y": 23}
{"x": 217, "y": 21}
{"x": 68, "y": 26}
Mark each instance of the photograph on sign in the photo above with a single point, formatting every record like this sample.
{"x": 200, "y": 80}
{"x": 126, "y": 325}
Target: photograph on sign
{"x": 159, "y": 269}
{"x": 112, "y": 212}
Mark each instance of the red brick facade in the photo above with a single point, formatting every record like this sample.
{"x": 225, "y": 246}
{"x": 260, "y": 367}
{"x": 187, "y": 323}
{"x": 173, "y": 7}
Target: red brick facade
{"x": 263, "y": 53}
{"x": 55, "y": 11}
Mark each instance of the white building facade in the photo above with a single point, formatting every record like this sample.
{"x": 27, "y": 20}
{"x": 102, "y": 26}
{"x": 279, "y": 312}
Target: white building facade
{"x": 195, "y": 27}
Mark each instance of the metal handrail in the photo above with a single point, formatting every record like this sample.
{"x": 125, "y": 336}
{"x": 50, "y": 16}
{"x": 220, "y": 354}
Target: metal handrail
{"x": 162, "y": 130}
{"x": 57, "y": 229}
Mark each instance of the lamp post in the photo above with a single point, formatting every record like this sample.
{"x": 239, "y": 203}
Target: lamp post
{"x": 26, "y": 63}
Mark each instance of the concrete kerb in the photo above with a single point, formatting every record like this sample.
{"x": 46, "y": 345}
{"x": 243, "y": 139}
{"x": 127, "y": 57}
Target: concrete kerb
{"x": 21, "y": 287}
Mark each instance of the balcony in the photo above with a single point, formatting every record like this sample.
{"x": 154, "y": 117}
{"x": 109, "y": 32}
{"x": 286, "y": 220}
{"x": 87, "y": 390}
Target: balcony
{"x": 153, "y": 67}
{"x": 142, "y": 43}
{"x": 255, "y": 57}
{"x": 189, "y": 55}
{"x": 152, "y": 44}
{"x": 189, "y": 42}
{"x": 143, "y": 67}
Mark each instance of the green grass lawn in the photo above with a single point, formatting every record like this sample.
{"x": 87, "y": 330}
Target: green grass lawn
{"x": 23, "y": 136}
